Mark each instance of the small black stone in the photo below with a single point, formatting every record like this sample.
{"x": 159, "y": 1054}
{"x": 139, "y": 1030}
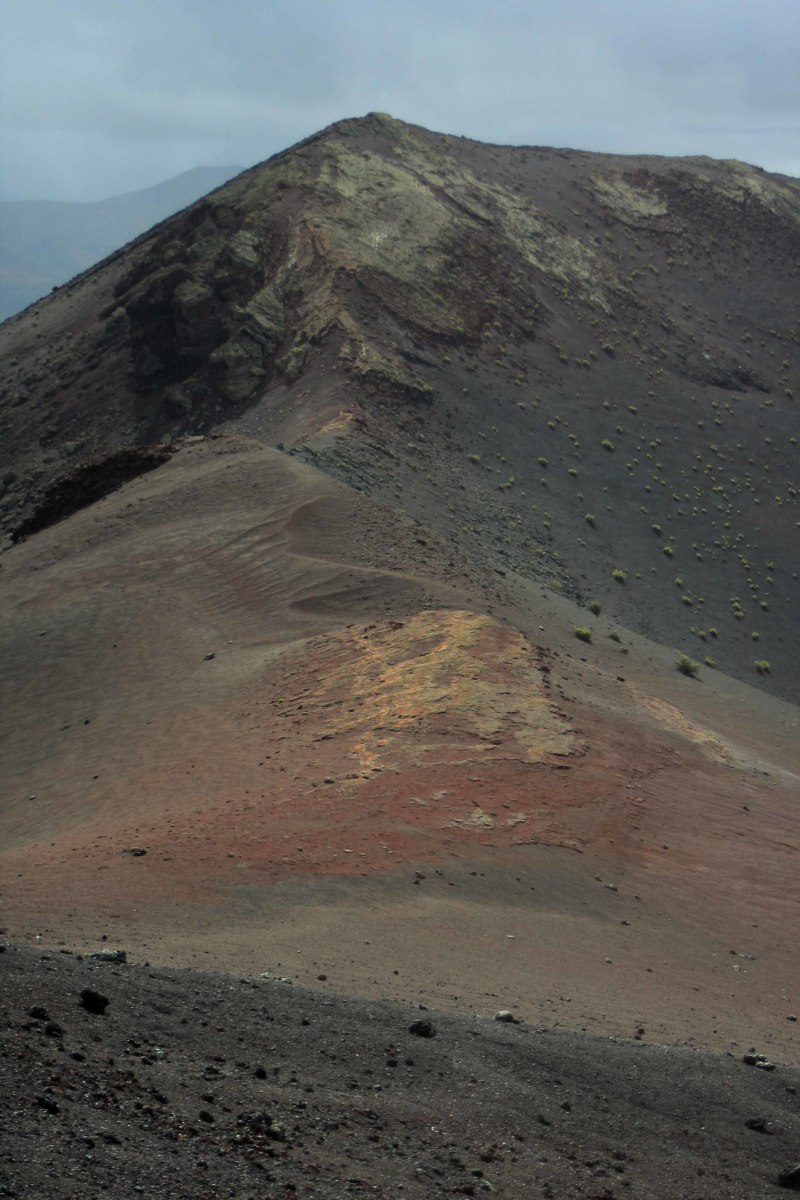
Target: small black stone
{"x": 94, "y": 1002}
{"x": 422, "y": 1028}
{"x": 790, "y": 1178}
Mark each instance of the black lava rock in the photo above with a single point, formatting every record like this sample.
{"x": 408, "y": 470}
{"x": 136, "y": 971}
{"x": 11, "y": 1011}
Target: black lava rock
{"x": 94, "y": 1002}
{"x": 790, "y": 1178}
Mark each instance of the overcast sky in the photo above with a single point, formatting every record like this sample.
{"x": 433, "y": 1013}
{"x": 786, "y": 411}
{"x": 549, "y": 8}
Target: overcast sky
{"x": 99, "y": 97}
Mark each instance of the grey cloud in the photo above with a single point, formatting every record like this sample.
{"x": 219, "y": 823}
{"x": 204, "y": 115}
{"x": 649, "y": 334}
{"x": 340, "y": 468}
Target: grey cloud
{"x": 99, "y": 96}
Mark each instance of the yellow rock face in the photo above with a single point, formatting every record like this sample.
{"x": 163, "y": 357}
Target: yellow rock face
{"x": 440, "y": 687}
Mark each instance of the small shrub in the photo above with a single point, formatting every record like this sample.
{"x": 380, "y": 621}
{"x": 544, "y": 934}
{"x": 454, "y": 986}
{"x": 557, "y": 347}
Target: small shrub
{"x": 582, "y": 633}
{"x": 595, "y": 607}
{"x": 619, "y": 575}
{"x": 687, "y": 666}
{"x": 709, "y": 662}
{"x": 615, "y": 637}
{"x": 590, "y": 519}
{"x": 669, "y": 551}
{"x": 607, "y": 445}
{"x": 474, "y": 458}
{"x": 656, "y": 530}
{"x": 762, "y": 666}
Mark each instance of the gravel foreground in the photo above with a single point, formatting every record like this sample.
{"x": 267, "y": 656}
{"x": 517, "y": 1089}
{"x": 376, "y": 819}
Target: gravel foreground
{"x": 194, "y": 1085}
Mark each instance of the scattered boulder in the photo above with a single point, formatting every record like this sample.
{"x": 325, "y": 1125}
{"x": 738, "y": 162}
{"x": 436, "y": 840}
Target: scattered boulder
{"x": 758, "y": 1125}
{"x": 94, "y": 1002}
{"x": 506, "y": 1017}
{"x": 37, "y": 1012}
{"x": 263, "y": 1125}
{"x": 758, "y": 1060}
{"x": 422, "y": 1028}
{"x": 118, "y": 956}
{"x": 790, "y": 1178}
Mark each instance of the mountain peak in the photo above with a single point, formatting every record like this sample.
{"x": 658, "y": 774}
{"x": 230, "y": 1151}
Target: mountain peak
{"x": 554, "y": 332}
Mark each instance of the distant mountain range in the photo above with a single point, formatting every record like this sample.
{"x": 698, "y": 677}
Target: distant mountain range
{"x": 44, "y": 243}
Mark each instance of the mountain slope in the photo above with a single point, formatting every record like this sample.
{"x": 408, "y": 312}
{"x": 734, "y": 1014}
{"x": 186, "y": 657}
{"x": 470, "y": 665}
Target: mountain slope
{"x": 337, "y": 753}
{"x": 354, "y": 519}
{"x": 565, "y": 363}
{"x": 44, "y": 243}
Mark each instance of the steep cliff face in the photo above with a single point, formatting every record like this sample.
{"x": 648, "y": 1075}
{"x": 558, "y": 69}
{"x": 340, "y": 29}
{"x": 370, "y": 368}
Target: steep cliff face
{"x": 568, "y": 364}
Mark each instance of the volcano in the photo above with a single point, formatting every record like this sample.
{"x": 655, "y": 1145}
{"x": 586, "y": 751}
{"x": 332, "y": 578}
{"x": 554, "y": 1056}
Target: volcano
{"x": 400, "y": 584}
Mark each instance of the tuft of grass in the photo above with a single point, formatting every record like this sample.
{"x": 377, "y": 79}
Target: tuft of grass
{"x": 590, "y": 519}
{"x": 709, "y": 662}
{"x": 762, "y": 666}
{"x": 607, "y": 445}
{"x": 595, "y": 607}
{"x": 687, "y": 666}
{"x": 619, "y": 575}
{"x": 582, "y": 633}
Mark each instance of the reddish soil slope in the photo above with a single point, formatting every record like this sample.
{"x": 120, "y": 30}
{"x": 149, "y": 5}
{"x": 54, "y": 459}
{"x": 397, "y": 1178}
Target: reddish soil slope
{"x": 342, "y": 759}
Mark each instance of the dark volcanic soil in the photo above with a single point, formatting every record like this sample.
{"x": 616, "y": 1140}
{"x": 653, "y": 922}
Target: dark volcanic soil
{"x": 197, "y": 1085}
